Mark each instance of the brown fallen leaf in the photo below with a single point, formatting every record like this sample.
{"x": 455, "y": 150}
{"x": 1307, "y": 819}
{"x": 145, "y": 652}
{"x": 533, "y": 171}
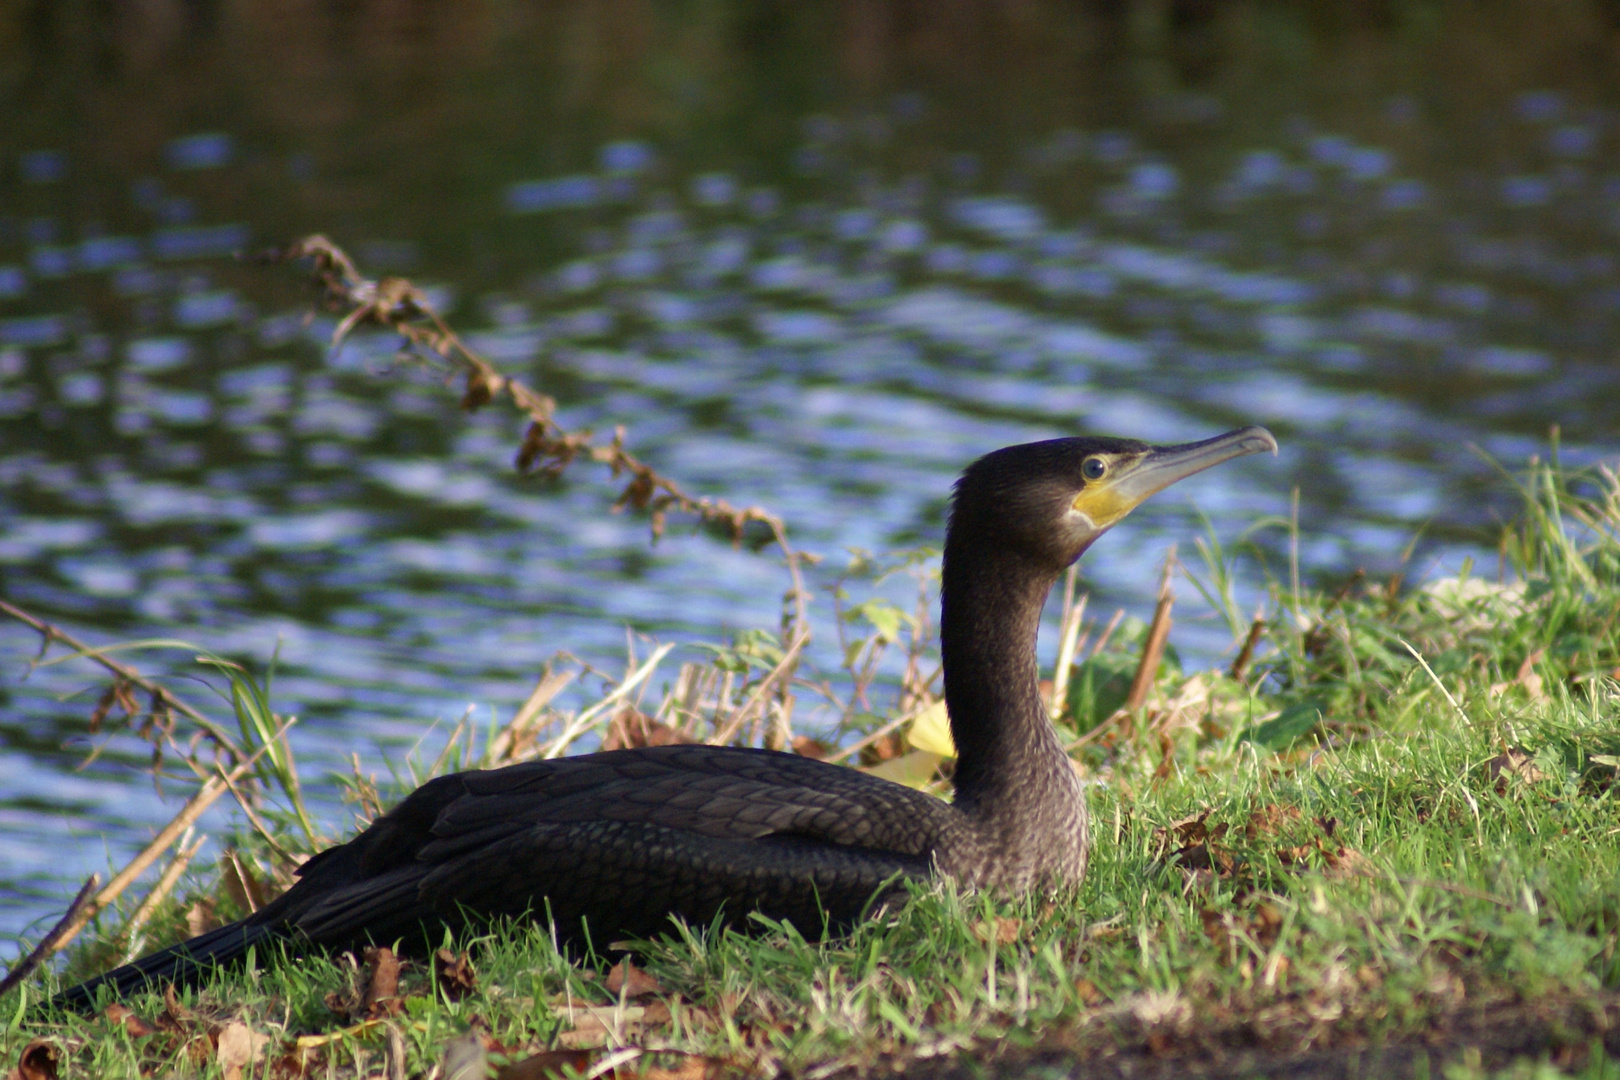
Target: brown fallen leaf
{"x": 1266, "y": 923}
{"x": 1005, "y": 931}
{"x": 382, "y": 988}
{"x": 234, "y": 1049}
{"x": 1269, "y": 820}
{"x": 1204, "y": 858}
{"x": 202, "y": 917}
{"x": 1348, "y": 862}
{"x": 134, "y": 1025}
{"x": 1514, "y": 762}
{"x": 805, "y": 746}
{"x": 242, "y": 885}
{"x": 1187, "y": 832}
{"x": 454, "y": 972}
{"x": 597, "y": 1025}
{"x": 626, "y": 980}
{"x": 176, "y": 1017}
{"x": 634, "y": 728}
{"x": 296, "y": 1062}
{"x": 1214, "y": 927}
{"x": 1088, "y": 992}
{"x": 884, "y": 748}
{"x": 1296, "y": 854}
{"x": 39, "y": 1060}
{"x": 1526, "y": 678}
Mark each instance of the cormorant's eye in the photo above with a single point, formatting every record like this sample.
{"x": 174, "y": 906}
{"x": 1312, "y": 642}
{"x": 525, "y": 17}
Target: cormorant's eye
{"x": 1093, "y": 468}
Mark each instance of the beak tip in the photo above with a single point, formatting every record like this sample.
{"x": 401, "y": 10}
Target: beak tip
{"x": 1258, "y": 439}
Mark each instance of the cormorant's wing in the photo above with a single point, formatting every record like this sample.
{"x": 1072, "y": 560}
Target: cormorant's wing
{"x": 623, "y": 840}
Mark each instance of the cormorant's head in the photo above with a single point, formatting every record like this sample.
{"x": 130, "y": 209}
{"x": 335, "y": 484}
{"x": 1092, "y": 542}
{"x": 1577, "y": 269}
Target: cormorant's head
{"x": 1052, "y": 499}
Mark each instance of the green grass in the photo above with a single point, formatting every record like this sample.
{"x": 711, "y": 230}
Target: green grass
{"x": 1346, "y": 849}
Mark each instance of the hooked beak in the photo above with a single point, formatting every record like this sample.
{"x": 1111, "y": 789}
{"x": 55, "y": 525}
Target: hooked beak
{"x": 1164, "y": 465}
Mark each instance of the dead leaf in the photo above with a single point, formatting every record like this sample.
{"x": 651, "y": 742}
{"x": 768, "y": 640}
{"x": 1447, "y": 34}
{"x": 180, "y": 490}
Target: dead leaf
{"x": 1214, "y": 927}
{"x": 241, "y": 884}
{"x": 1087, "y": 991}
{"x": 176, "y": 1017}
{"x": 547, "y": 1065}
{"x": 805, "y": 746}
{"x": 234, "y": 1049}
{"x": 883, "y": 748}
{"x": 1514, "y": 762}
{"x": 1296, "y": 854}
{"x": 296, "y": 1062}
{"x": 39, "y": 1060}
{"x": 202, "y": 917}
{"x": 454, "y": 972}
{"x": 1187, "y": 831}
{"x": 382, "y": 989}
{"x": 1204, "y": 858}
{"x": 134, "y": 1025}
{"x": 1269, "y": 820}
{"x": 1526, "y": 678}
{"x": 1348, "y": 862}
{"x": 1266, "y": 923}
{"x": 597, "y": 1025}
{"x": 1167, "y": 757}
{"x": 1005, "y": 932}
{"x": 633, "y": 728}
{"x": 626, "y": 980}
{"x": 482, "y": 386}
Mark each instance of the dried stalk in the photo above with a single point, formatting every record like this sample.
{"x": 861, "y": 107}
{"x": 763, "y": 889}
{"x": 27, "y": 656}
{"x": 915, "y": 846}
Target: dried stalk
{"x": 165, "y": 884}
{"x": 398, "y": 305}
{"x": 194, "y": 808}
{"x": 1240, "y": 664}
{"x": 52, "y": 941}
{"x": 586, "y": 717}
{"x": 512, "y": 736}
{"x": 727, "y": 731}
{"x": 1108, "y": 632}
{"x": 1153, "y": 647}
{"x": 1068, "y": 646}
{"x": 867, "y": 740}
{"x": 160, "y": 696}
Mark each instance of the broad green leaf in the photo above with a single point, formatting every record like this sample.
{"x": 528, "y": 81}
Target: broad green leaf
{"x": 1290, "y": 724}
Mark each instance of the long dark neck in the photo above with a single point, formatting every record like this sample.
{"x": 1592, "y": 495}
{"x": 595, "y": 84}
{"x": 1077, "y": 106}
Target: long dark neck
{"x": 991, "y": 604}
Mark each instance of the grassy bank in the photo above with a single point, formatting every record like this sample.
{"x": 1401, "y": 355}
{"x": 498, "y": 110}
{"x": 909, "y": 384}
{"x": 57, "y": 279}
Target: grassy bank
{"x": 1396, "y": 832}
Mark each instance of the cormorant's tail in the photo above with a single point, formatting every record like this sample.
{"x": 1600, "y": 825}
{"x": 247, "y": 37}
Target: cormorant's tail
{"x": 184, "y": 964}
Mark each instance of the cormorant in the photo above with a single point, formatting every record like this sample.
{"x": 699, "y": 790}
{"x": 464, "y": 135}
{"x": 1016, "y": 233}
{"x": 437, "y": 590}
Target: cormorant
{"x": 621, "y": 841}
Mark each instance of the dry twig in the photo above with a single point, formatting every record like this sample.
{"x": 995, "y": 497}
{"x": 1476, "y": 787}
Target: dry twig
{"x": 161, "y": 698}
{"x": 398, "y": 305}
{"x": 59, "y": 935}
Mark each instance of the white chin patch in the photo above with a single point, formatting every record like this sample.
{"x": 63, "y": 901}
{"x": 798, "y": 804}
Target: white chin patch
{"x": 1079, "y": 524}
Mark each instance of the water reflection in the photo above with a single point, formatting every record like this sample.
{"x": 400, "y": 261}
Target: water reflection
{"x": 816, "y": 261}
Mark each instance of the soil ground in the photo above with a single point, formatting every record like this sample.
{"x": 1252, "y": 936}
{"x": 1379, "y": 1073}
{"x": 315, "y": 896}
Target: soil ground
{"x": 1568, "y": 1034}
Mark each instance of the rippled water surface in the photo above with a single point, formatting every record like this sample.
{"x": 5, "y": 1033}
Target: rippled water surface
{"x": 812, "y": 260}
